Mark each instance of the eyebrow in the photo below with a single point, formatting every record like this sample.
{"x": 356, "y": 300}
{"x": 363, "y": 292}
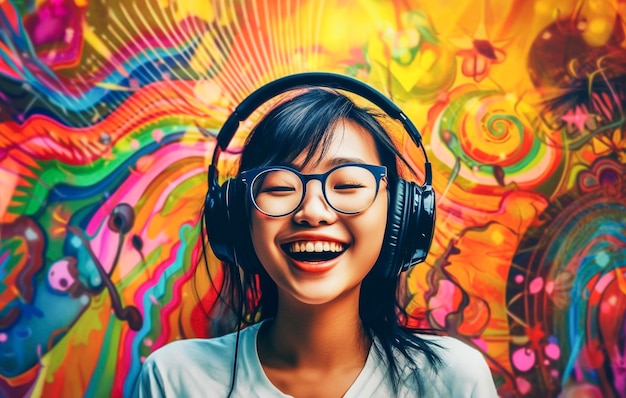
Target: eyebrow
{"x": 338, "y": 161}
{"x": 332, "y": 163}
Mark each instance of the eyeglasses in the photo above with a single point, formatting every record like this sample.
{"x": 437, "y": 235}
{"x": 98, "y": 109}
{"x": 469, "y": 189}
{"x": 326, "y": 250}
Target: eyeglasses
{"x": 277, "y": 191}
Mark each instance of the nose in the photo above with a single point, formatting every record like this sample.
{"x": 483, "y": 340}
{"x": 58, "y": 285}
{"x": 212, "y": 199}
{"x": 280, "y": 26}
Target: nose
{"x": 314, "y": 210}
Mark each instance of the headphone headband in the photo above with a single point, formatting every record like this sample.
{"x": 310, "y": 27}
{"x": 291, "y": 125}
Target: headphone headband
{"x": 319, "y": 79}
{"x": 411, "y": 211}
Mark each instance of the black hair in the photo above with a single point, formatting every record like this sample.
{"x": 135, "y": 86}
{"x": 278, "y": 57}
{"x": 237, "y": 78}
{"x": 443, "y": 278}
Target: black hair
{"x": 301, "y": 124}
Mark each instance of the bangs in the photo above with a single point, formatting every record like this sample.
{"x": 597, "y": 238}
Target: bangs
{"x": 304, "y": 124}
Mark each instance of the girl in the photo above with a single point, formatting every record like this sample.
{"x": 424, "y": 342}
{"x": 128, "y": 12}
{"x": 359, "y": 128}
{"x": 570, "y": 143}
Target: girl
{"x": 311, "y": 204}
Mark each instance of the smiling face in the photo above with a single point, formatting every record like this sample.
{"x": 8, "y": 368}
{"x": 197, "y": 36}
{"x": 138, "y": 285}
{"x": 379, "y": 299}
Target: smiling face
{"x": 316, "y": 254}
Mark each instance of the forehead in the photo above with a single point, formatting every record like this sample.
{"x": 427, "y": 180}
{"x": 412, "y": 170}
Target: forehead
{"x": 350, "y": 143}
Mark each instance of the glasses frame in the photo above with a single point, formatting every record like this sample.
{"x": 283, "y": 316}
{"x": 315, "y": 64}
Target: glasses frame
{"x": 249, "y": 177}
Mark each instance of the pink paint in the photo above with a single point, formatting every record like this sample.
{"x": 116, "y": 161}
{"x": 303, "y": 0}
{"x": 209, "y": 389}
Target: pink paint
{"x": 536, "y": 285}
{"x": 131, "y": 192}
{"x": 480, "y": 343}
{"x": 549, "y": 287}
{"x": 519, "y": 279}
{"x": 69, "y": 35}
{"x": 59, "y": 276}
{"x": 157, "y": 134}
{"x": 603, "y": 282}
{"x": 523, "y": 385}
{"x": 3, "y": 337}
{"x": 442, "y": 304}
{"x": 44, "y": 147}
{"x": 552, "y": 351}
{"x": 523, "y": 359}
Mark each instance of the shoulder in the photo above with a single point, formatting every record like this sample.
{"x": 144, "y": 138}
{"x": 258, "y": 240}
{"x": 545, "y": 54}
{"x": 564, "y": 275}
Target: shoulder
{"x": 185, "y": 368}
{"x": 189, "y": 367}
{"x": 464, "y": 370}
{"x": 191, "y": 351}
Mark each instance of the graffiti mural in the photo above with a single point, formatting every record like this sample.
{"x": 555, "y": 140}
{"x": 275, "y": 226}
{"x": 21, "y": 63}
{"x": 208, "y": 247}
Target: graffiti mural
{"x": 108, "y": 113}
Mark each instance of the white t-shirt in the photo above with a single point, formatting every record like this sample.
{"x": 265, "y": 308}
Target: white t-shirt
{"x": 203, "y": 368}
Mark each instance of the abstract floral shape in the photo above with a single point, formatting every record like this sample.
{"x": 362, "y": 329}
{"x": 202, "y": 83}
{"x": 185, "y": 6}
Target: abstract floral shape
{"x": 478, "y": 60}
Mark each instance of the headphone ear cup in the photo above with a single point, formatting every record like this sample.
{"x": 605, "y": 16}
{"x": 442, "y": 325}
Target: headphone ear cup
{"x": 410, "y": 227}
{"x": 423, "y": 227}
{"x": 217, "y": 221}
{"x": 227, "y": 227}
{"x": 239, "y": 208}
{"x": 419, "y": 226}
{"x": 389, "y": 260}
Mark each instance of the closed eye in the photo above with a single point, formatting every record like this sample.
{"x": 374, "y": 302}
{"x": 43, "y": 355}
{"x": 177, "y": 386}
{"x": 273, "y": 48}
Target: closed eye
{"x": 278, "y": 189}
{"x": 348, "y": 186}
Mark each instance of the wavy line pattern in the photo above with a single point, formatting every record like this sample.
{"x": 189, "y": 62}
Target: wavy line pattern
{"x": 108, "y": 112}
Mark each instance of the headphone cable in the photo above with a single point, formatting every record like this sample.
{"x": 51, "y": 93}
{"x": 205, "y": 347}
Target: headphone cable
{"x": 237, "y": 338}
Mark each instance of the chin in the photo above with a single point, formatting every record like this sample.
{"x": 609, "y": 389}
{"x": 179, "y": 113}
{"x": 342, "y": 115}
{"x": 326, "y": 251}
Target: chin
{"x": 323, "y": 291}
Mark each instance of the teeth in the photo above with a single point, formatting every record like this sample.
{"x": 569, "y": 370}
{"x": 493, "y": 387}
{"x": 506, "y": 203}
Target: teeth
{"x": 315, "y": 246}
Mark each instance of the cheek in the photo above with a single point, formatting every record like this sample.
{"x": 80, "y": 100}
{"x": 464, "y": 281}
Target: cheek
{"x": 262, "y": 231}
{"x": 257, "y": 231}
{"x": 371, "y": 232}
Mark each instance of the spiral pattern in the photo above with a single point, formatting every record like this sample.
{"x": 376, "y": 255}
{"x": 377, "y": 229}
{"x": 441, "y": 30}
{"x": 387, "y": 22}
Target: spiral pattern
{"x": 495, "y": 138}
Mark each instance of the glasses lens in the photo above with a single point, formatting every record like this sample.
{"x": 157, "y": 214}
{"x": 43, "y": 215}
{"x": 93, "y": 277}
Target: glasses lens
{"x": 351, "y": 189}
{"x": 276, "y": 192}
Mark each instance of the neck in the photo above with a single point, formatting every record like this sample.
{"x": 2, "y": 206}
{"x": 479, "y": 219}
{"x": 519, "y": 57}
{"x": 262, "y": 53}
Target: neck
{"x": 318, "y": 336}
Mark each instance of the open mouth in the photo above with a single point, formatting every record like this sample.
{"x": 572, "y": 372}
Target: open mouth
{"x": 314, "y": 251}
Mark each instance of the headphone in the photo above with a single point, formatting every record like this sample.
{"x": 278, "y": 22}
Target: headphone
{"x": 411, "y": 214}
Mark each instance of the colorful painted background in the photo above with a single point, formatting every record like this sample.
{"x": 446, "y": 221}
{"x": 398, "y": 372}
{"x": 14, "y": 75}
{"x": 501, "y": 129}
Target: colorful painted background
{"x": 108, "y": 111}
